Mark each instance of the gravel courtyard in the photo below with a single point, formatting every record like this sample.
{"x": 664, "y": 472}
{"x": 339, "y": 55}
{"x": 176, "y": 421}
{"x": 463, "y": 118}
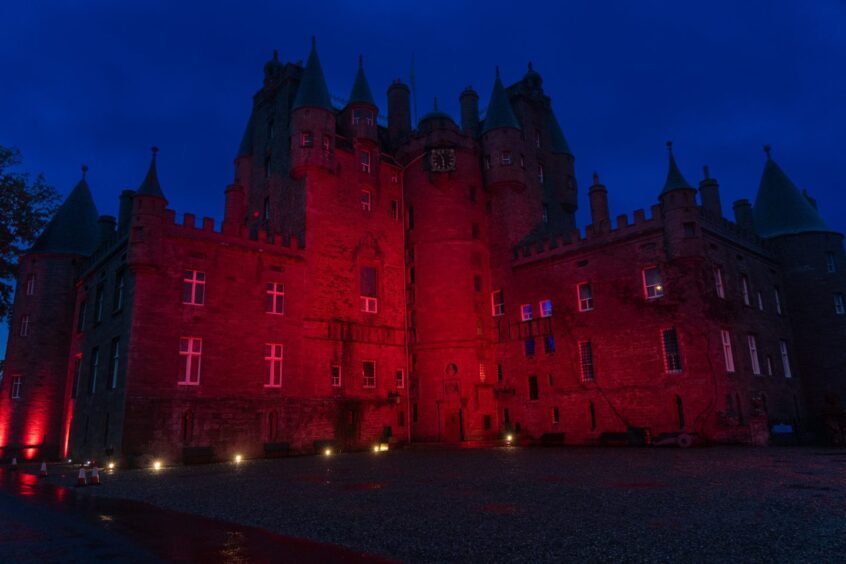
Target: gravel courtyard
{"x": 514, "y": 504}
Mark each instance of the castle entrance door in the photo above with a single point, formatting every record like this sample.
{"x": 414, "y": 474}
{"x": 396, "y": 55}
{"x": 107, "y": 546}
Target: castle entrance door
{"x": 453, "y": 425}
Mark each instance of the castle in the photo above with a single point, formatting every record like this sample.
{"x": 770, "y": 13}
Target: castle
{"x": 420, "y": 284}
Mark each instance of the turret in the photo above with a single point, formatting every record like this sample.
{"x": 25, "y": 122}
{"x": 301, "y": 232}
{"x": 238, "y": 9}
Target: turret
{"x": 148, "y": 210}
{"x": 33, "y": 403}
{"x": 469, "y": 111}
{"x": 598, "y": 196}
{"x": 235, "y": 208}
{"x": 562, "y": 178}
{"x": 813, "y": 294}
{"x": 679, "y": 212}
{"x": 515, "y": 209}
{"x": 709, "y": 192}
{"x": 312, "y": 120}
{"x": 743, "y": 214}
{"x": 125, "y": 212}
{"x": 361, "y": 111}
{"x": 399, "y": 112}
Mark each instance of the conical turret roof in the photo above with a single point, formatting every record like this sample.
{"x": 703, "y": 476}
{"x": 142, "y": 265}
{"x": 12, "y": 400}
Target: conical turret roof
{"x": 675, "y": 179}
{"x": 500, "y": 113}
{"x": 313, "y": 92}
{"x": 246, "y": 146}
{"x": 150, "y": 186}
{"x": 74, "y": 229}
{"x": 360, "y": 93}
{"x": 559, "y": 142}
{"x": 780, "y": 208}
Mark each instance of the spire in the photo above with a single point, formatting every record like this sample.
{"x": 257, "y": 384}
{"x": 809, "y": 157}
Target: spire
{"x": 559, "y": 142}
{"x": 313, "y": 92}
{"x": 675, "y": 180}
{"x": 361, "y": 89}
{"x": 780, "y": 208}
{"x": 500, "y": 113}
{"x": 435, "y": 113}
{"x": 150, "y": 186}
{"x": 74, "y": 229}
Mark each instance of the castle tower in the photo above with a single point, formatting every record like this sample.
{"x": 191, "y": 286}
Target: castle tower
{"x": 815, "y": 279}
{"x": 148, "y": 206}
{"x": 506, "y": 170}
{"x": 680, "y": 212}
{"x": 448, "y": 282}
{"x": 312, "y": 145}
{"x": 33, "y": 414}
{"x": 399, "y": 112}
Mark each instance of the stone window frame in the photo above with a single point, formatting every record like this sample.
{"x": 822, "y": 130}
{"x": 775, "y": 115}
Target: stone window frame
{"x": 526, "y": 312}
{"x": 274, "y": 296}
{"x": 655, "y": 290}
{"x": 672, "y": 358}
{"x": 497, "y": 307}
{"x": 752, "y": 345}
{"x": 335, "y": 375}
{"x": 192, "y": 352}
{"x": 194, "y": 286}
{"x": 274, "y": 358}
{"x": 368, "y": 381}
{"x": 728, "y": 351}
{"x": 585, "y": 303}
{"x": 545, "y": 307}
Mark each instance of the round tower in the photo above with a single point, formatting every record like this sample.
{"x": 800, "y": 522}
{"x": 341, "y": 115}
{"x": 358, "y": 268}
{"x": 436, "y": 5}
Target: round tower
{"x": 814, "y": 296}
{"x": 448, "y": 282}
{"x": 312, "y": 121}
{"x": 34, "y": 401}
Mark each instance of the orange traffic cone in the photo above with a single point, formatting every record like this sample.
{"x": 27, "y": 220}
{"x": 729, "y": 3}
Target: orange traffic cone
{"x": 95, "y": 477}
{"x": 14, "y": 465}
{"x": 81, "y": 480}
{"x": 43, "y": 472}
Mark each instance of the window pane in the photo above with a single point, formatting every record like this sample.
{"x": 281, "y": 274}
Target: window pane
{"x": 368, "y": 282}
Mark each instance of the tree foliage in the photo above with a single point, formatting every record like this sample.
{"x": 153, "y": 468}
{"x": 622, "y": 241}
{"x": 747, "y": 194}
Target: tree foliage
{"x": 26, "y": 204}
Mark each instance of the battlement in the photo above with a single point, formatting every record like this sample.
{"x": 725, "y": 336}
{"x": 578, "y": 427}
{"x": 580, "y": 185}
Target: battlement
{"x": 238, "y": 235}
{"x": 573, "y": 241}
{"x": 731, "y": 230}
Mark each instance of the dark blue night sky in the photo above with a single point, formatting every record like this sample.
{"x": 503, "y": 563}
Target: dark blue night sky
{"x": 99, "y": 82}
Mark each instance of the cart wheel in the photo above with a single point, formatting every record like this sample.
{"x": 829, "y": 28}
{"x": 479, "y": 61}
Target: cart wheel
{"x": 684, "y": 440}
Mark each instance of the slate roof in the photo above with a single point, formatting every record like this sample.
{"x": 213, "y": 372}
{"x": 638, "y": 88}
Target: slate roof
{"x": 559, "y": 142}
{"x": 675, "y": 180}
{"x": 74, "y": 228}
{"x": 780, "y": 208}
{"x": 150, "y": 186}
{"x": 361, "y": 89}
{"x": 500, "y": 113}
{"x": 313, "y": 92}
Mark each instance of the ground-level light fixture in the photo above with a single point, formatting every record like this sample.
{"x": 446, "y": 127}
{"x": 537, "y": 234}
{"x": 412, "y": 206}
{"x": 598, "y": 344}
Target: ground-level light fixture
{"x": 509, "y": 438}
{"x": 327, "y": 451}
{"x": 157, "y": 465}
{"x": 238, "y": 459}
{"x": 111, "y": 465}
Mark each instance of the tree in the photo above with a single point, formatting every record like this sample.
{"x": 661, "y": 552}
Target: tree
{"x": 25, "y": 207}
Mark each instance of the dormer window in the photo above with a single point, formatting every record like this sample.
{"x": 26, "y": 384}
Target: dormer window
{"x": 306, "y": 139}
{"x": 356, "y": 117}
{"x": 364, "y": 159}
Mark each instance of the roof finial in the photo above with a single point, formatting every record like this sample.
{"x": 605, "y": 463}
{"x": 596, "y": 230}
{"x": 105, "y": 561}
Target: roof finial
{"x": 595, "y": 178}
{"x": 276, "y": 55}
{"x": 314, "y": 42}
{"x": 767, "y": 150}
{"x": 530, "y": 66}
{"x": 435, "y": 105}
{"x": 670, "y": 147}
{"x": 360, "y": 61}
{"x": 84, "y": 171}
{"x": 154, "y": 150}
{"x": 706, "y": 172}
{"x": 497, "y": 71}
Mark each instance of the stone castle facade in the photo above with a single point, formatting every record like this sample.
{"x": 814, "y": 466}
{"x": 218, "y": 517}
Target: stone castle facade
{"x": 420, "y": 284}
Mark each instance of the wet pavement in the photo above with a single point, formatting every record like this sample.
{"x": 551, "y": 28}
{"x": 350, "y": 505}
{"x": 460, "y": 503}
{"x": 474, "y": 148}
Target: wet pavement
{"x": 43, "y": 522}
{"x": 503, "y": 504}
